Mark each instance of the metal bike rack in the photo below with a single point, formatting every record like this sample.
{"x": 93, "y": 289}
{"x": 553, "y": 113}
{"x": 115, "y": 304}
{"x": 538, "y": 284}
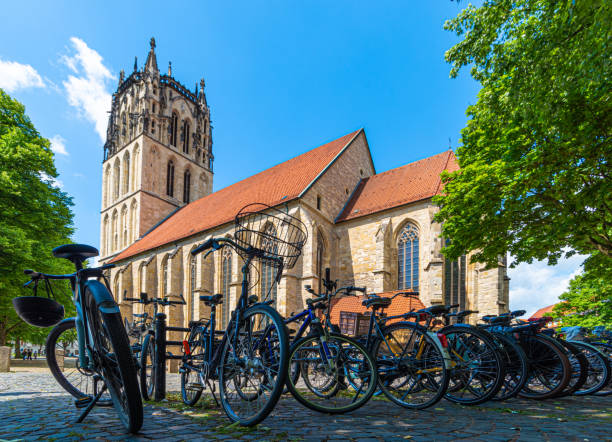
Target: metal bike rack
{"x": 161, "y": 355}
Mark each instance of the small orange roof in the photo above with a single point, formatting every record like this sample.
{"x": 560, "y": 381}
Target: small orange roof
{"x": 396, "y": 187}
{"x": 354, "y": 304}
{"x": 279, "y": 184}
{"x": 544, "y": 311}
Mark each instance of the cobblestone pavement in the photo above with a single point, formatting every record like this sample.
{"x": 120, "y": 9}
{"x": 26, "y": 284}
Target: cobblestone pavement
{"x": 33, "y": 406}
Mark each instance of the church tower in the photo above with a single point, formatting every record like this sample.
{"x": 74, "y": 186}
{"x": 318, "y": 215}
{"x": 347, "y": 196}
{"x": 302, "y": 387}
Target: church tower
{"x": 157, "y": 156}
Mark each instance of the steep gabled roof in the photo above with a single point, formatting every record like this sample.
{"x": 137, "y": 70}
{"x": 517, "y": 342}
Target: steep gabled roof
{"x": 544, "y": 311}
{"x": 396, "y": 187}
{"x": 353, "y": 304}
{"x": 279, "y": 184}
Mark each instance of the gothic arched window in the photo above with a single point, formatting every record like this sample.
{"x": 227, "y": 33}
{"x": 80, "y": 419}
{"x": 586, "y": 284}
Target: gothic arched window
{"x": 165, "y": 277}
{"x": 123, "y": 125}
{"x": 116, "y": 179}
{"x": 124, "y": 226}
{"x": 115, "y": 230}
{"x": 117, "y": 289}
{"x": 186, "y": 186}
{"x": 226, "y": 280}
{"x": 135, "y": 167}
{"x": 192, "y": 287}
{"x": 126, "y": 173}
{"x": 268, "y": 271}
{"x": 143, "y": 278}
{"x": 319, "y": 260}
{"x": 185, "y": 136}
{"x": 107, "y": 186}
{"x": 134, "y": 221}
{"x": 173, "y": 129}
{"x": 170, "y": 179}
{"x": 408, "y": 258}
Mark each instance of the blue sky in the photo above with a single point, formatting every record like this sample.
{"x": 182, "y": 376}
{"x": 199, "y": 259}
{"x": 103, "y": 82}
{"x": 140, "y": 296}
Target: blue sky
{"x": 281, "y": 78}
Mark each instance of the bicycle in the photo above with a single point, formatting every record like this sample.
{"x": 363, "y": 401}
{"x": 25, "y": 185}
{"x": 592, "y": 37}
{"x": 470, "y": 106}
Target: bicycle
{"x": 412, "y": 362}
{"x": 104, "y": 349}
{"x": 328, "y": 362}
{"x": 250, "y": 359}
{"x": 146, "y": 349}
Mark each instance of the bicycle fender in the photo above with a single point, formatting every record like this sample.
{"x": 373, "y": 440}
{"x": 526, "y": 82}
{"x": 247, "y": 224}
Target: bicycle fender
{"x": 63, "y": 321}
{"x": 104, "y": 300}
{"x": 448, "y": 361}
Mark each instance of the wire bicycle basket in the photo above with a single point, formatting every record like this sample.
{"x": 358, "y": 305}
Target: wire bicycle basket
{"x": 271, "y": 234}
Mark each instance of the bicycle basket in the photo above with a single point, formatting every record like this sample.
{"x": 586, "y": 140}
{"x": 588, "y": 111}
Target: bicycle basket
{"x": 271, "y": 233}
{"x": 37, "y": 310}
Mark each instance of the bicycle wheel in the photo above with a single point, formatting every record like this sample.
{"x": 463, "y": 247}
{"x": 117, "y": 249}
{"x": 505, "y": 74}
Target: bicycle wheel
{"x": 77, "y": 381}
{"x": 191, "y": 384}
{"x": 411, "y": 367}
{"x": 337, "y": 373}
{"x": 115, "y": 357}
{"x": 607, "y": 350}
{"x": 147, "y": 368}
{"x": 598, "y": 370}
{"x": 253, "y": 365}
{"x": 478, "y": 367}
{"x": 580, "y": 366}
{"x": 549, "y": 367}
{"x": 516, "y": 368}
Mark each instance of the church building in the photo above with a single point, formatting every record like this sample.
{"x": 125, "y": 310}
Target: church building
{"x": 371, "y": 229}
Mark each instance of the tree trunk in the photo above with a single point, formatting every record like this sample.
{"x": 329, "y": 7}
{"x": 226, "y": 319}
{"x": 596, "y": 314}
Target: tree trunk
{"x": 17, "y": 348}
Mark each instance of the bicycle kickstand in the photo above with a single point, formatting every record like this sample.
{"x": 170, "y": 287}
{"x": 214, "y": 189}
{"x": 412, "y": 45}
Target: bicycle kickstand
{"x": 91, "y": 404}
{"x": 212, "y": 390}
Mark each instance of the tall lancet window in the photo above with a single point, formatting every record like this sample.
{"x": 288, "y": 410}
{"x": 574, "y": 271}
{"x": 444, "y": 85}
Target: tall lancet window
{"x": 186, "y": 136}
{"x": 186, "y": 186}
{"x": 320, "y": 257}
{"x": 170, "y": 179}
{"x": 226, "y": 280}
{"x": 165, "y": 277}
{"x": 173, "y": 129}
{"x": 268, "y": 271}
{"x": 192, "y": 287}
{"x": 408, "y": 258}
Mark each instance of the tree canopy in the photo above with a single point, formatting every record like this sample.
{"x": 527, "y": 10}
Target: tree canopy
{"x": 35, "y": 216}
{"x": 535, "y": 177}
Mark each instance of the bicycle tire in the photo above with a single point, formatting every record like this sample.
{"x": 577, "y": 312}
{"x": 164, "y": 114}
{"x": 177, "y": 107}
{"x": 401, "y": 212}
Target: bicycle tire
{"x": 274, "y": 384}
{"x": 606, "y": 349}
{"x": 579, "y": 365}
{"x": 435, "y": 357}
{"x": 60, "y": 376}
{"x": 542, "y": 352}
{"x": 116, "y": 363}
{"x": 516, "y": 368}
{"x": 147, "y": 380}
{"x": 481, "y": 376}
{"x": 598, "y": 371}
{"x": 332, "y": 385}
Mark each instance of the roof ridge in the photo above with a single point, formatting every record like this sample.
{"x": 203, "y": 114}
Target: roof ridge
{"x": 410, "y": 164}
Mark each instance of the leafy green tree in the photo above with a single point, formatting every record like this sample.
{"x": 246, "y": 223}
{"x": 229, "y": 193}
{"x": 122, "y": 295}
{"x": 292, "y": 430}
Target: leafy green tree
{"x": 535, "y": 177}
{"x": 588, "y": 300}
{"x": 35, "y": 216}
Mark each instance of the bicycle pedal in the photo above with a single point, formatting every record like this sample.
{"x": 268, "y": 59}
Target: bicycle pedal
{"x": 195, "y": 387}
{"x": 82, "y": 402}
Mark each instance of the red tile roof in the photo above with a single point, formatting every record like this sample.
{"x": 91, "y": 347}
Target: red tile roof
{"x": 281, "y": 183}
{"x": 396, "y": 187}
{"x": 354, "y": 304}
{"x": 545, "y": 311}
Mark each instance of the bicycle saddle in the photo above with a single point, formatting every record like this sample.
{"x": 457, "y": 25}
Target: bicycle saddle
{"x": 517, "y": 313}
{"x": 71, "y": 252}
{"x": 435, "y": 310}
{"x": 214, "y": 299}
{"x": 140, "y": 315}
{"x": 377, "y": 302}
{"x": 495, "y": 320}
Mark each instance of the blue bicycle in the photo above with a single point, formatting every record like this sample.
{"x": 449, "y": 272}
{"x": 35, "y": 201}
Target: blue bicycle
{"x": 105, "y": 362}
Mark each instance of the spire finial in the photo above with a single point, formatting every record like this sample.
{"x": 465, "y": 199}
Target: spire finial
{"x": 152, "y": 42}
{"x": 170, "y": 69}
{"x": 202, "y": 84}
{"x": 121, "y": 76}
{"x": 135, "y": 64}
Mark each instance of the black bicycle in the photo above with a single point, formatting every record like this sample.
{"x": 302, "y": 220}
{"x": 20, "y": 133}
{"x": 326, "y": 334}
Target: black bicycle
{"x": 250, "y": 358}
{"x": 104, "y": 356}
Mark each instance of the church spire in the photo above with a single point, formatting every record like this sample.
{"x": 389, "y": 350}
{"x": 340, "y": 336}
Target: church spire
{"x": 135, "y": 64}
{"x": 151, "y": 64}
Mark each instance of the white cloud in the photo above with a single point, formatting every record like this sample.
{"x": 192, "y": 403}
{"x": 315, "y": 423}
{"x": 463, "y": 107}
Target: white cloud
{"x": 537, "y": 285}
{"x": 54, "y": 181}
{"x": 14, "y": 76}
{"x": 58, "y": 145}
{"x": 87, "y": 89}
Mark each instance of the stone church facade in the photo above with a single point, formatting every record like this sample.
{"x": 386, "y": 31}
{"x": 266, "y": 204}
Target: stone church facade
{"x": 371, "y": 229}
